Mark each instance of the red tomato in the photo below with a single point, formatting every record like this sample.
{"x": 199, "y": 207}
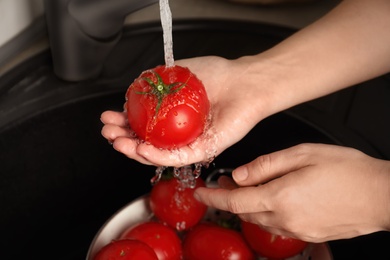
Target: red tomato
{"x": 167, "y": 107}
{"x": 210, "y": 241}
{"x": 163, "y": 239}
{"x": 270, "y": 245}
{"x": 175, "y": 205}
{"x": 126, "y": 249}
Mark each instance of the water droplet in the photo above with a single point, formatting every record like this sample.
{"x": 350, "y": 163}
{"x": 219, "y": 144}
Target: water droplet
{"x": 157, "y": 176}
{"x": 211, "y": 139}
{"x": 180, "y": 226}
{"x": 187, "y": 175}
{"x": 197, "y": 170}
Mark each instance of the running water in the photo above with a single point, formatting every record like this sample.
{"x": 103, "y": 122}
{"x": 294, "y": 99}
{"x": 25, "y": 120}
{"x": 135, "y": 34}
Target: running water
{"x": 166, "y": 22}
{"x": 189, "y": 173}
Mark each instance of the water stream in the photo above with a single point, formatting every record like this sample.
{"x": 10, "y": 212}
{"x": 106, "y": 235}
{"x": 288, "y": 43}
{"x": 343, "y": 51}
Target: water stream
{"x": 189, "y": 173}
{"x": 166, "y": 23}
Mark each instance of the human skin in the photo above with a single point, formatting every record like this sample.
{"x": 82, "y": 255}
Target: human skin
{"x": 339, "y": 50}
{"x": 313, "y": 192}
{"x": 331, "y": 192}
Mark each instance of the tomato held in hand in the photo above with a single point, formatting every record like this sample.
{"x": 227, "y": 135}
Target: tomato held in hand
{"x": 210, "y": 241}
{"x": 162, "y": 239}
{"x": 167, "y": 106}
{"x": 126, "y": 249}
{"x": 175, "y": 205}
{"x": 270, "y": 245}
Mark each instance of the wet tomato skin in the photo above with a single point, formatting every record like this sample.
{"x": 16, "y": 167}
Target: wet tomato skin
{"x": 161, "y": 238}
{"x": 211, "y": 241}
{"x": 172, "y": 118}
{"x": 269, "y": 245}
{"x": 126, "y": 249}
{"x": 175, "y": 205}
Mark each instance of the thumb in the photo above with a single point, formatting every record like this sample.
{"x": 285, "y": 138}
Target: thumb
{"x": 270, "y": 166}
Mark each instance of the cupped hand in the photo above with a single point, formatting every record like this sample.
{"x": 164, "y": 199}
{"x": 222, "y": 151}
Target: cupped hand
{"x": 313, "y": 192}
{"x": 234, "y": 111}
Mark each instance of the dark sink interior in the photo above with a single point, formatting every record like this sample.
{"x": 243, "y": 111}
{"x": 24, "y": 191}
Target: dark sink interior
{"x": 60, "y": 180}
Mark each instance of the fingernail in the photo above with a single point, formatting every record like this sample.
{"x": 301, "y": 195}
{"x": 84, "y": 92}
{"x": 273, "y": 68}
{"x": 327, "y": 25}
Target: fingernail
{"x": 240, "y": 174}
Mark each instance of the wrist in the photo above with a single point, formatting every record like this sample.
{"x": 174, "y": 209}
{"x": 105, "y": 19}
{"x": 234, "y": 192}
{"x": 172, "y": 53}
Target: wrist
{"x": 270, "y": 89}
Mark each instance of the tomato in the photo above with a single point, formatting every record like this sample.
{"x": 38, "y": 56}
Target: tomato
{"x": 270, "y": 245}
{"x": 163, "y": 239}
{"x": 210, "y": 241}
{"x": 175, "y": 205}
{"x": 126, "y": 249}
{"x": 167, "y": 107}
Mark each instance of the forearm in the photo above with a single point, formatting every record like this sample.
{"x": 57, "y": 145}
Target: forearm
{"x": 349, "y": 45}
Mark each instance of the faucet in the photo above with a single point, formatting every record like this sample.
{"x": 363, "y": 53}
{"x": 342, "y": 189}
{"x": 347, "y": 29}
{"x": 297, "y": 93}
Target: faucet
{"x": 82, "y": 33}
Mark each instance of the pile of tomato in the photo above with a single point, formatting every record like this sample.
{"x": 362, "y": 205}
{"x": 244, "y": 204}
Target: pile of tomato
{"x": 180, "y": 230}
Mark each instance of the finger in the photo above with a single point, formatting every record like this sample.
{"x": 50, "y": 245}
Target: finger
{"x": 237, "y": 201}
{"x": 226, "y": 182}
{"x": 112, "y": 132}
{"x": 128, "y": 147}
{"x": 135, "y": 149}
{"x": 114, "y": 118}
{"x": 266, "y": 220}
{"x": 270, "y": 166}
{"x": 179, "y": 157}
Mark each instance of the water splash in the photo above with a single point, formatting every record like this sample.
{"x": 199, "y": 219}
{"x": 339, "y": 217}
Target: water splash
{"x": 157, "y": 176}
{"x": 210, "y": 139}
{"x": 187, "y": 175}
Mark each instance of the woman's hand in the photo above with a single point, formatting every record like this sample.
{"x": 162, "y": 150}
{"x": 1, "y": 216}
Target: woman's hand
{"x": 232, "y": 117}
{"x": 313, "y": 192}
{"x": 317, "y": 60}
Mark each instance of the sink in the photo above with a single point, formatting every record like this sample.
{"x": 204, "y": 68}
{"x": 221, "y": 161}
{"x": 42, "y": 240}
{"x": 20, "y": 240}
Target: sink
{"x": 61, "y": 180}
